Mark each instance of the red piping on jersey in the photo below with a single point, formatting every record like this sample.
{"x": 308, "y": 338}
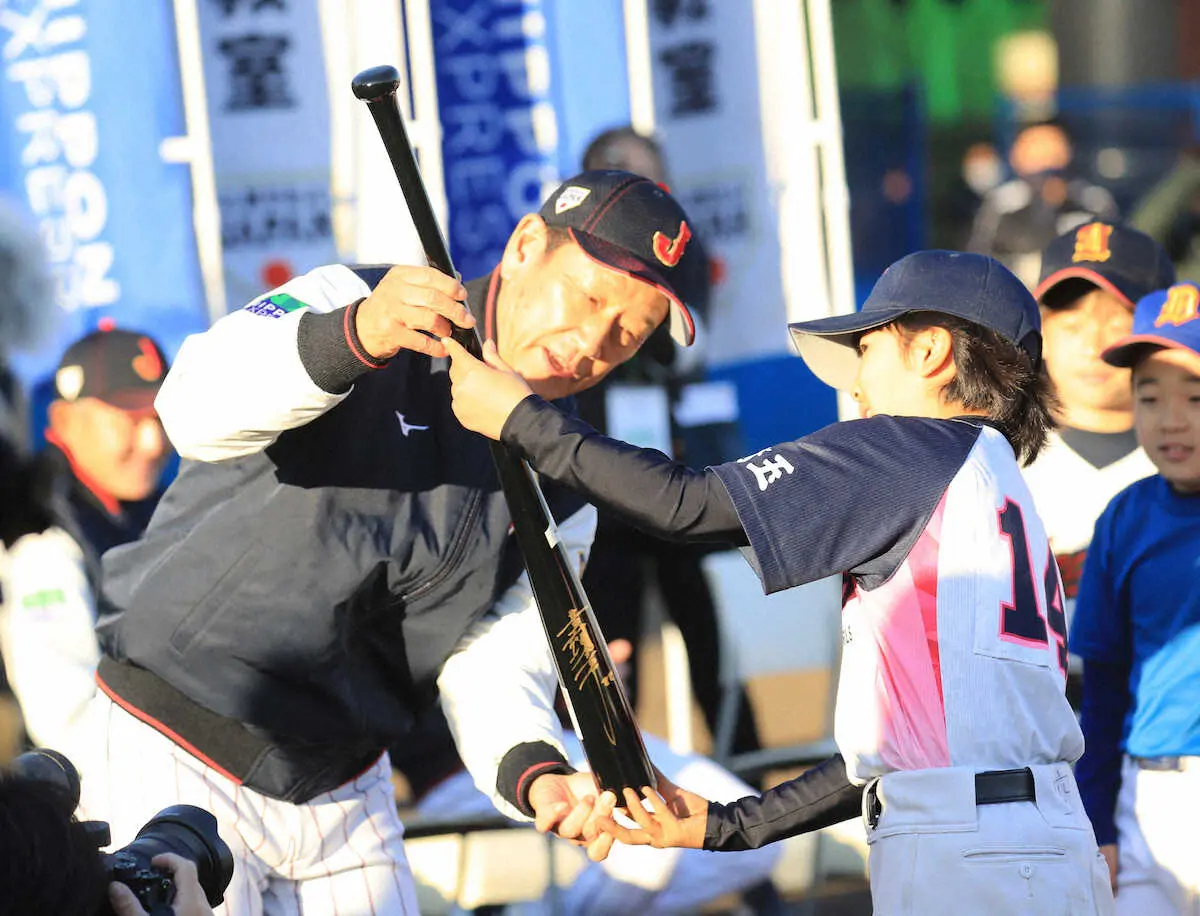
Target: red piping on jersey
{"x": 163, "y": 730}
{"x": 530, "y": 775}
{"x": 111, "y": 504}
{"x": 360, "y": 352}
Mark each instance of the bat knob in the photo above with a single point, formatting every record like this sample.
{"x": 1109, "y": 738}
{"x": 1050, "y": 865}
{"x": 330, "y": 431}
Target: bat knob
{"x": 376, "y": 83}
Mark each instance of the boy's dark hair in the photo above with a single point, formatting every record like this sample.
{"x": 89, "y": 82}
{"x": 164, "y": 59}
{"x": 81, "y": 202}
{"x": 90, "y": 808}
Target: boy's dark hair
{"x": 48, "y": 863}
{"x": 994, "y": 376}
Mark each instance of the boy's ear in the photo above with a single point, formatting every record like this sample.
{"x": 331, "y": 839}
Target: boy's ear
{"x": 932, "y": 352}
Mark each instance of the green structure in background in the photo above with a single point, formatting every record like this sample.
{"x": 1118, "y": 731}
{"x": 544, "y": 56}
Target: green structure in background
{"x": 945, "y": 46}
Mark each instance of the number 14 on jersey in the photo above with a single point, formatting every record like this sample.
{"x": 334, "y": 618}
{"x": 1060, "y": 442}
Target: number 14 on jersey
{"x": 1022, "y": 621}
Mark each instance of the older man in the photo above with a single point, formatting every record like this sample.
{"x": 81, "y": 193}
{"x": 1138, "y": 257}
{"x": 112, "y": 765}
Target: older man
{"x": 336, "y": 550}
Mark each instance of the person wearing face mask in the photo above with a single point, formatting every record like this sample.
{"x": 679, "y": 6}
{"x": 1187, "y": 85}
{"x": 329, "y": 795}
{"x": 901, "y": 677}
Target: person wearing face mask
{"x": 100, "y": 474}
{"x": 1043, "y": 199}
{"x": 335, "y": 555}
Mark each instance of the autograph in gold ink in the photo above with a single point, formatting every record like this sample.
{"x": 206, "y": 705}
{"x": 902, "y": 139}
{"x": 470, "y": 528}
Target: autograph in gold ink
{"x": 577, "y": 642}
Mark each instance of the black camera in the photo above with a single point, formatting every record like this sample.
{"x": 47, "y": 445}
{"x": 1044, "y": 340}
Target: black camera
{"x": 185, "y": 830}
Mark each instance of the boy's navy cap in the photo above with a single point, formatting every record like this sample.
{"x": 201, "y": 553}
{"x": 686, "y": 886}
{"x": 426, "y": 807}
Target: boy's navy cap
{"x": 630, "y": 224}
{"x": 973, "y": 287}
{"x": 122, "y": 368}
{"x": 1127, "y": 263}
{"x": 1165, "y": 319}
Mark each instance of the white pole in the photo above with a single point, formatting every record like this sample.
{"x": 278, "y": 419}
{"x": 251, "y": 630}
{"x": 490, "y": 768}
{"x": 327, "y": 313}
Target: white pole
{"x": 791, "y": 139}
{"x": 835, "y": 196}
{"x": 637, "y": 65}
{"x": 337, "y": 26}
{"x": 195, "y": 149}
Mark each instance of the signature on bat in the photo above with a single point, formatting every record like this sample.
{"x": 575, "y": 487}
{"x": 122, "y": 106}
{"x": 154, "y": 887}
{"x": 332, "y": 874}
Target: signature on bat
{"x": 584, "y": 657}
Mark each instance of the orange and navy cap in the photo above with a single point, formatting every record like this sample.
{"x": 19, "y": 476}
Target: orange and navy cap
{"x": 122, "y": 368}
{"x": 1165, "y": 319}
{"x": 630, "y": 224}
{"x": 1127, "y": 263}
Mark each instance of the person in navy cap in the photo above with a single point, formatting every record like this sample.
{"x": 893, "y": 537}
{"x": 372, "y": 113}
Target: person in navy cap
{"x": 1137, "y": 626}
{"x": 955, "y": 735}
{"x": 1091, "y": 277}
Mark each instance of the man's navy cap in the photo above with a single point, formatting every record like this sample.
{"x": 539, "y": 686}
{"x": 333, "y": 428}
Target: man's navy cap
{"x": 123, "y": 368}
{"x": 1165, "y": 319}
{"x": 1127, "y": 263}
{"x": 630, "y": 224}
{"x": 973, "y": 287}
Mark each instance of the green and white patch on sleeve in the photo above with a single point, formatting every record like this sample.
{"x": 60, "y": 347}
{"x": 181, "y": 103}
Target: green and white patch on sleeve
{"x": 275, "y": 306}
{"x": 46, "y": 598}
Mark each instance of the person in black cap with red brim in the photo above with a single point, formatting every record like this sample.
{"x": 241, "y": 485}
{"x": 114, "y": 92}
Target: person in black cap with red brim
{"x": 1091, "y": 279}
{"x": 99, "y": 473}
{"x": 336, "y": 551}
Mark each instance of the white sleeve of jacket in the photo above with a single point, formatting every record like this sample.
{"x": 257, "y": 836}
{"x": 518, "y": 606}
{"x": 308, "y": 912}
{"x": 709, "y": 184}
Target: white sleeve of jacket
{"x": 234, "y": 388}
{"x": 47, "y": 635}
{"x": 498, "y": 688}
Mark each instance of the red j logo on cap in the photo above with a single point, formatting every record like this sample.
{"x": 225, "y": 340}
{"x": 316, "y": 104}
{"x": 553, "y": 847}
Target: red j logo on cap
{"x": 669, "y": 250}
{"x": 148, "y": 365}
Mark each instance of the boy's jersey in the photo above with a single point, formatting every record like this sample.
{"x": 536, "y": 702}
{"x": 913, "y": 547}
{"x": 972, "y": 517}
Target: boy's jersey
{"x": 1139, "y": 605}
{"x": 954, "y": 638}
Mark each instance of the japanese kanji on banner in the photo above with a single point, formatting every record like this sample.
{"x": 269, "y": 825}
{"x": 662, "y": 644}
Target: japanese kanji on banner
{"x": 268, "y": 107}
{"x": 88, "y": 95}
{"x": 706, "y": 109}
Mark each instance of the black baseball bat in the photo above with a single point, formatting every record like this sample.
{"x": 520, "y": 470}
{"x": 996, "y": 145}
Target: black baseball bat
{"x": 607, "y": 727}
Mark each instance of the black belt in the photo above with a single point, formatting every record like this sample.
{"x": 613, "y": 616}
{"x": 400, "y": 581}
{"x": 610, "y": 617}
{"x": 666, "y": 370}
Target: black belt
{"x": 992, "y": 787}
{"x": 995, "y": 787}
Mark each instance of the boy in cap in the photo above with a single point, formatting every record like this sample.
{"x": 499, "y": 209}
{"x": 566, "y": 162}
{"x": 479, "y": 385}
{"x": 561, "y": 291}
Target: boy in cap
{"x": 956, "y": 738}
{"x": 1137, "y": 627}
{"x": 335, "y": 553}
{"x": 1091, "y": 277}
{"x": 100, "y": 473}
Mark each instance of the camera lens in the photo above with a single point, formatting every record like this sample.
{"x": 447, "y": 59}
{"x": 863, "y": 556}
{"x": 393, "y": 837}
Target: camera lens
{"x": 191, "y": 833}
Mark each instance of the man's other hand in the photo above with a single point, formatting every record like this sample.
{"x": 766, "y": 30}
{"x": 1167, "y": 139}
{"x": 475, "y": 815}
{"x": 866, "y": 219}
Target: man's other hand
{"x": 571, "y": 806}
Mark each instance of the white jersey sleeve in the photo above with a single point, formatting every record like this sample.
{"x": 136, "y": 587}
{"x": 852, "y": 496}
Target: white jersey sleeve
{"x": 499, "y": 686}
{"x": 47, "y": 635}
{"x": 234, "y": 388}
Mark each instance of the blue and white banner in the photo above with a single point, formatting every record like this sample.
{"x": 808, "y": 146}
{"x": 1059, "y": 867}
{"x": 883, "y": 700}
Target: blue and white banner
{"x": 268, "y": 110}
{"x": 89, "y": 91}
{"x": 499, "y": 129}
{"x": 706, "y": 101}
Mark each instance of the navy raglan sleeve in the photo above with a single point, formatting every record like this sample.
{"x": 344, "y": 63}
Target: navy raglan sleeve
{"x": 852, "y": 497}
